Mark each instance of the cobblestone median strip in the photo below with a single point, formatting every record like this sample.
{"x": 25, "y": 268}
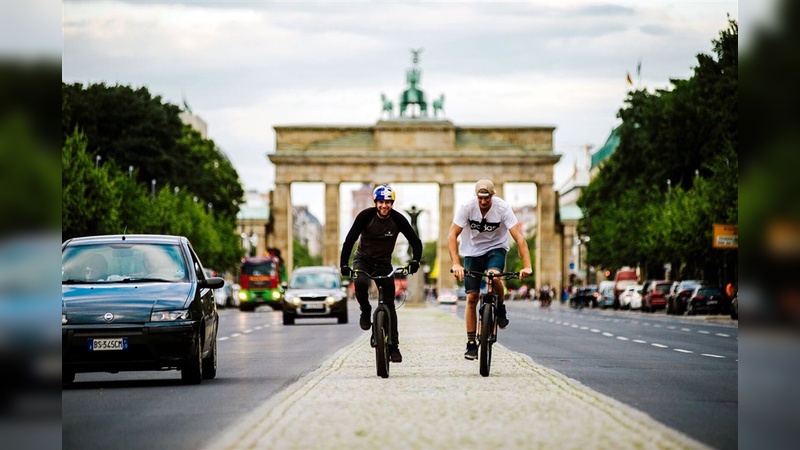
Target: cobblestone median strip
{"x": 435, "y": 399}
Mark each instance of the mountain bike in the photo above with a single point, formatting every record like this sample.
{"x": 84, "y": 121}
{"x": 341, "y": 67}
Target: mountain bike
{"x": 487, "y": 317}
{"x": 382, "y": 330}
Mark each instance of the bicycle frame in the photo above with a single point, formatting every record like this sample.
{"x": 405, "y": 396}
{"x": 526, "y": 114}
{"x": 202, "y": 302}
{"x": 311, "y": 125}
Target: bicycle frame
{"x": 487, "y": 317}
{"x": 382, "y": 330}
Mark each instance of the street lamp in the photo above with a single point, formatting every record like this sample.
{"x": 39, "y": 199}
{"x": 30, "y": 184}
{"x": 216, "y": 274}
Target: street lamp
{"x": 130, "y": 172}
{"x": 97, "y": 161}
{"x": 153, "y": 187}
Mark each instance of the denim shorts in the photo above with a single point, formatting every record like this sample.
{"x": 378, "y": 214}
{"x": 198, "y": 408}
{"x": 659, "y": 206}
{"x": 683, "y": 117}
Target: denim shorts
{"x": 493, "y": 259}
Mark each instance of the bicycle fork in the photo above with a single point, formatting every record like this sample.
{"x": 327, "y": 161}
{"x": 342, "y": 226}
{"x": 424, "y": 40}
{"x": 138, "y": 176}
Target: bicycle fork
{"x": 388, "y": 334}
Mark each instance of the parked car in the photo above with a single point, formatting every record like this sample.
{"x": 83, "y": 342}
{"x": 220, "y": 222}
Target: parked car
{"x": 137, "y": 302}
{"x": 679, "y": 295}
{"x": 606, "y": 295}
{"x": 222, "y": 296}
{"x": 622, "y": 279}
{"x": 585, "y": 296}
{"x": 315, "y": 292}
{"x": 656, "y": 296}
{"x": 707, "y": 298}
{"x": 631, "y": 297}
{"x": 447, "y": 297}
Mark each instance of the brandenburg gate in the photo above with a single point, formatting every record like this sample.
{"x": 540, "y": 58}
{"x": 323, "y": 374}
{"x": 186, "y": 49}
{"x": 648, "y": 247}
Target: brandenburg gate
{"x": 417, "y": 149}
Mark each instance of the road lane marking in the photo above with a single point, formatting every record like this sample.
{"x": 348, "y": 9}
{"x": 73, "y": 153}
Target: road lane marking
{"x": 606, "y": 333}
{"x": 710, "y": 355}
{"x": 223, "y": 338}
{"x": 594, "y": 330}
{"x": 639, "y": 341}
{"x": 686, "y": 329}
{"x": 623, "y": 338}
{"x": 703, "y": 332}
{"x": 236, "y": 334}
{"x": 659, "y": 345}
{"x": 247, "y": 331}
{"x": 682, "y": 350}
{"x": 723, "y": 335}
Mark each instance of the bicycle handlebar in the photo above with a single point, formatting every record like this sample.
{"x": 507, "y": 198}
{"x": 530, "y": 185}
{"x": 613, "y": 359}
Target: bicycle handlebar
{"x": 489, "y": 275}
{"x": 400, "y": 270}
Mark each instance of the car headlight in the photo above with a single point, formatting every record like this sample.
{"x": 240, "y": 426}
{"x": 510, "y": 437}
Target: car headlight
{"x": 243, "y": 295}
{"x": 330, "y": 300}
{"x": 296, "y": 301}
{"x": 167, "y": 316}
{"x": 63, "y": 318}
{"x": 276, "y": 295}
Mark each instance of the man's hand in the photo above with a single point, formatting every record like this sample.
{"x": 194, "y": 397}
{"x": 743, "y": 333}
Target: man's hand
{"x": 346, "y": 271}
{"x": 413, "y": 266}
{"x": 458, "y": 271}
{"x": 525, "y": 272}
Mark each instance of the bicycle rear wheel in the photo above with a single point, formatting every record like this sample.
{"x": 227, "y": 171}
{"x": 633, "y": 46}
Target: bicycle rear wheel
{"x": 381, "y": 330}
{"x": 487, "y": 327}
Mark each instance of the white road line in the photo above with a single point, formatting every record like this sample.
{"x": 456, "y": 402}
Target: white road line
{"x": 722, "y": 335}
{"x": 672, "y": 327}
{"x": 659, "y": 345}
{"x": 584, "y": 328}
{"x": 247, "y": 331}
{"x": 686, "y": 329}
{"x": 236, "y": 334}
{"x": 639, "y": 341}
{"x": 223, "y": 338}
{"x": 657, "y": 326}
{"x": 622, "y": 338}
{"x": 703, "y": 332}
{"x": 606, "y": 333}
{"x": 682, "y": 350}
{"x": 258, "y": 328}
{"x": 712, "y": 355}
{"x": 594, "y": 330}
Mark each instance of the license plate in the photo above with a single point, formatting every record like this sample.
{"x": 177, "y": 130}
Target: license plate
{"x": 96, "y": 345}
{"x": 314, "y": 306}
{"x": 712, "y": 302}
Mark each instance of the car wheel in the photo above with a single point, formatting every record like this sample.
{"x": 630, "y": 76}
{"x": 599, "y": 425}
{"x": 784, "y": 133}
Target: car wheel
{"x": 192, "y": 372}
{"x": 210, "y": 363}
{"x": 288, "y": 319}
{"x": 342, "y": 317}
{"x": 67, "y": 376}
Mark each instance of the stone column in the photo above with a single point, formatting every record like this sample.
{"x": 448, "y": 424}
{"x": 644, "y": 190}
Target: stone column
{"x": 446, "y": 212}
{"x": 282, "y": 214}
{"x": 330, "y": 241}
{"x": 548, "y": 244}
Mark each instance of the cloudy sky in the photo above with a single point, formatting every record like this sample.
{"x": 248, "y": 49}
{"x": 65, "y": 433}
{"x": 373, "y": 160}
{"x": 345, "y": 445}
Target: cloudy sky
{"x": 248, "y": 66}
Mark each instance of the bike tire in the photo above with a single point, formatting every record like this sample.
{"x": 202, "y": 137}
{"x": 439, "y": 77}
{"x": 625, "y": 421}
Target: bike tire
{"x": 381, "y": 330}
{"x": 487, "y": 327}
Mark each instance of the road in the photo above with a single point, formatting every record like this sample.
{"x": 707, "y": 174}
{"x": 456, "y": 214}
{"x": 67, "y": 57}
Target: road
{"x": 682, "y": 371}
{"x": 258, "y": 356}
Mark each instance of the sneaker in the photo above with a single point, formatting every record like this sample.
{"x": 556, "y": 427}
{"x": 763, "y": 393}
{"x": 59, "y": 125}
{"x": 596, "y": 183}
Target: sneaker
{"x": 364, "y": 321}
{"x": 395, "y": 355}
{"x": 472, "y": 350}
{"x": 502, "y": 317}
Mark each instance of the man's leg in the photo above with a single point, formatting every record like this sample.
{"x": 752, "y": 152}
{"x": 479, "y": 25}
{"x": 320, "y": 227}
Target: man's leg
{"x": 362, "y": 296}
{"x": 387, "y": 287}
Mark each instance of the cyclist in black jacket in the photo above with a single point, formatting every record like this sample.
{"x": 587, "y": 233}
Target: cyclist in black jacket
{"x": 379, "y": 228}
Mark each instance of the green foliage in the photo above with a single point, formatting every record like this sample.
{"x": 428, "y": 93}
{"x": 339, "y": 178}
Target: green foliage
{"x": 674, "y": 174}
{"x": 514, "y": 262}
{"x": 302, "y": 258}
{"x": 129, "y": 127}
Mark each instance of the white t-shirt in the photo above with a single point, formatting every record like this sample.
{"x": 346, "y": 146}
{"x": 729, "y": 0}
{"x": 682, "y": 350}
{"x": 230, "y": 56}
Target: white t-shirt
{"x": 482, "y": 234}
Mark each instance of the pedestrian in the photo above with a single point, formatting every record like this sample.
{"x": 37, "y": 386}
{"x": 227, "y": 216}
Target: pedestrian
{"x": 378, "y": 228}
{"x": 488, "y": 220}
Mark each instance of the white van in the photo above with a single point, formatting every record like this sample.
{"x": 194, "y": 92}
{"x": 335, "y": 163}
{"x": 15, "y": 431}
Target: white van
{"x": 606, "y": 294}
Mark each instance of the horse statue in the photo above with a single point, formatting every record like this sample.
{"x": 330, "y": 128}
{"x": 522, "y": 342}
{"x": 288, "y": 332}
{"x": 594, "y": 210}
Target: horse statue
{"x": 438, "y": 105}
{"x": 388, "y": 106}
{"x": 413, "y": 95}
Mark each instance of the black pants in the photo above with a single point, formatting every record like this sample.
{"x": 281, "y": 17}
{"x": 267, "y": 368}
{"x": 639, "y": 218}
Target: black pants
{"x": 385, "y": 287}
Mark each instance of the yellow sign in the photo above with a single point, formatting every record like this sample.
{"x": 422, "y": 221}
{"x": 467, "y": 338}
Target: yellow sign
{"x": 726, "y": 236}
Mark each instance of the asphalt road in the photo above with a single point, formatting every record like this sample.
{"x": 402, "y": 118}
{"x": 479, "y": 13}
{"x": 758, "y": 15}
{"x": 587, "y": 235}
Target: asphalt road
{"x": 258, "y": 357}
{"x": 682, "y": 371}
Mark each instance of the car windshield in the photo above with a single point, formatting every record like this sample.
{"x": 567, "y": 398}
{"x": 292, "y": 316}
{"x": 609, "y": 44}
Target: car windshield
{"x": 116, "y": 262}
{"x": 259, "y": 268}
{"x": 314, "y": 281}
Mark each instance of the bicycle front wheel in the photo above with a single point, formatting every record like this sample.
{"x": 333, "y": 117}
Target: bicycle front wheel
{"x": 381, "y": 330}
{"x": 487, "y": 327}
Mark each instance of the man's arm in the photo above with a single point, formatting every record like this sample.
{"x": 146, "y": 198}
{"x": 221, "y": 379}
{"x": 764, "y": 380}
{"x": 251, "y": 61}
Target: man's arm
{"x": 352, "y": 236}
{"x": 524, "y": 253}
{"x": 452, "y": 248}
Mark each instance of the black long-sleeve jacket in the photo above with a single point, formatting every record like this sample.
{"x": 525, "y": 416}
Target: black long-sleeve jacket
{"x": 378, "y": 237}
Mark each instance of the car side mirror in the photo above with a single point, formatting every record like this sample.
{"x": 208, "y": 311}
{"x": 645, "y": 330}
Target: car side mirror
{"x": 213, "y": 283}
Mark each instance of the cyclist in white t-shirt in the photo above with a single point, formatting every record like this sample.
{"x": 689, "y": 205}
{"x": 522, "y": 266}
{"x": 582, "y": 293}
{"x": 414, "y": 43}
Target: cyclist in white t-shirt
{"x": 488, "y": 221}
